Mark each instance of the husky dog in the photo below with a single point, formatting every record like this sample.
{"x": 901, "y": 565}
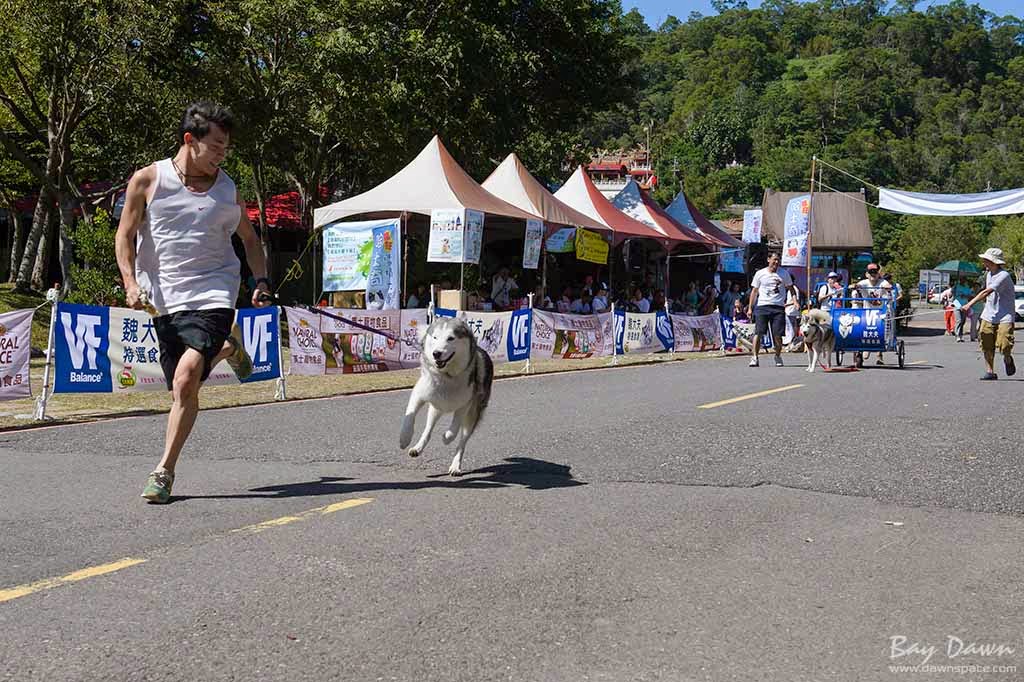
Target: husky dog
{"x": 455, "y": 376}
{"x": 816, "y": 327}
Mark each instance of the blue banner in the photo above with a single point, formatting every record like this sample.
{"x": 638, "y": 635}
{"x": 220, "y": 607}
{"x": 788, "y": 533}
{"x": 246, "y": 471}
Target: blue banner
{"x": 81, "y": 341}
{"x": 100, "y": 350}
{"x": 382, "y": 283}
{"x": 519, "y": 335}
{"x": 663, "y": 328}
{"x": 620, "y": 331}
{"x": 260, "y": 330}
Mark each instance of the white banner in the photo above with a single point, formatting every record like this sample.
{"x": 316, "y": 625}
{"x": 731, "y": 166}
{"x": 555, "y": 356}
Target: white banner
{"x": 1006, "y": 202}
{"x": 15, "y": 349}
{"x": 348, "y": 250}
{"x": 697, "y": 333}
{"x": 447, "y": 236}
{"x": 503, "y": 336}
{"x": 556, "y": 335}
{"x": 643, "y": 332}
{"x": 794, "y": 251}
{"x": 532, "y": 243}
{"x": 752, "y": 225}
{"x": 329, "y": 346}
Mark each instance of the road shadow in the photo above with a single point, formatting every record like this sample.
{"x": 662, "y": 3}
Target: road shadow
{"x": 524, "y": 472}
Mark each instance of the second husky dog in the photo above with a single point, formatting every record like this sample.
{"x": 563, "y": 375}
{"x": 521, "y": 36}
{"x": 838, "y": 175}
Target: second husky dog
{"x": 455, "y": 376}
{"x": 820, "y": 341}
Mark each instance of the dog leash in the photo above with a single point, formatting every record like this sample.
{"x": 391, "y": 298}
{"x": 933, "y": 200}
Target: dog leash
{"x": 353, "y": 323}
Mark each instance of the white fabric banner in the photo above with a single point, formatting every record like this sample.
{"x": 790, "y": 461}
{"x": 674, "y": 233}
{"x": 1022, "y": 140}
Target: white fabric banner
{"x": 752, "y": 225}
{"x": 15, "y": 347}
{"x": 556, "y": 335}
{"x": 1007, "y": 202}
{"x": 532, "y": 244}
{"x": 697, "y": 333}
{"x": 503, "y": 336}
{"x": 323, "y": 345}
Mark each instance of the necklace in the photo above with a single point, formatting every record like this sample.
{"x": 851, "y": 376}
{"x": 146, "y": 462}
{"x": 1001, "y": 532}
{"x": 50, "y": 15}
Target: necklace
{"x": 185, "y": 176}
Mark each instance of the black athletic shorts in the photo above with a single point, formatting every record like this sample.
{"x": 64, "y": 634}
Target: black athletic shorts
{"x": 773, "y": 316}
{"x": 203, "y": 330}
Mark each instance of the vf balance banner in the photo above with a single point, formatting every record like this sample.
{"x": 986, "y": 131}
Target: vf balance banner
{"x": 113, "y": 350}
{"x": 503, "y": 336}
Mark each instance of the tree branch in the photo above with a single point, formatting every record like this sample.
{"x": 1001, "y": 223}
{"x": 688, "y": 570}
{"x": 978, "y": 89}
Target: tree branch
{"x": 28, "y": 91}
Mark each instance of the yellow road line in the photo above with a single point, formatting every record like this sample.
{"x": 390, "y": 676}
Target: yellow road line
{"x": 49, "y": 583}
{"x": 285, "y": 520}
{"x": 749, "y": 396}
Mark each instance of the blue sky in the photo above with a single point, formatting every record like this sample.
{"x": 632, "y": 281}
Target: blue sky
{"x": 655, "y": 11}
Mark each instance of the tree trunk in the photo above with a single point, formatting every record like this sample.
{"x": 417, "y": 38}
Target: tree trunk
{"x": 40, "y": 220}
{"x": 16, "y": 245}
{"x": 261, "y": 196}
{"x": 41, "y": 269}
{"x": 67, "y": 253}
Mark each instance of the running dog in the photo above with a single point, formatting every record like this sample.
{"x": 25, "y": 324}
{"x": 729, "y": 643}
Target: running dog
{"x": 455, "y": 376}
{"x": 820, "y": 341}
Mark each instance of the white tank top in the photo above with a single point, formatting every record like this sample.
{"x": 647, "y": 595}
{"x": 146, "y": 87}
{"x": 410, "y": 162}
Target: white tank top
{"x": 184, "y": 257}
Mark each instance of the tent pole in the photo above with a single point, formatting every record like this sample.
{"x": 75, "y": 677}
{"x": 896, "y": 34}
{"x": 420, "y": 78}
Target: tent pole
{"x": 405, "y": 259}
{"x": 810, "y": 218}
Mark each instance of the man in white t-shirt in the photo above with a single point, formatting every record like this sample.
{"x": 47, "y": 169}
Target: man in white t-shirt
{"x": 997, "y": 318}
{"x": 875, "y": 290}
{"x": 768, "y": 305}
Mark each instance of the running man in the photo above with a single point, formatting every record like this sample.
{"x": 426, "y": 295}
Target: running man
{"x": 768, "y": 306}
{"x": 997, "y": 318}
{"x": 175, "y": 254}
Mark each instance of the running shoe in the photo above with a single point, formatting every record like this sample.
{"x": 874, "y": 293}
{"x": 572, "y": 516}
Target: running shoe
{"x": 989, "y": 376}
{"x": 239, "y": 360}
{"x": 754, "y": 362}
{"x": 778, "y": 361}
{"x": 880, "y": 362}
{"x": 1011, "y": 366}
{"x": 158, "y": 487}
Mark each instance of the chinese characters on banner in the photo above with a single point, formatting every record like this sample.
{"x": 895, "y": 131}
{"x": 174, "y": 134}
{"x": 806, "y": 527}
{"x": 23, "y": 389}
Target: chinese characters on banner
{"x": 106, "y": 350}
{"x": 591, "y": 247}
{"x": 322, "y": 345}
{"x": 15, "y": 348}
{"x": 532, "y": 243}
{"x": 503, "y": 336}
{"x": 382, "y": 286}
{"x": 555, "y": 335}
{"x": 752, "y": 225}
{"x": 797, "y": 228}
{"x": 697, "y": 333}
{"x": 643, "y": 332}
{"x": 348, "y": 249}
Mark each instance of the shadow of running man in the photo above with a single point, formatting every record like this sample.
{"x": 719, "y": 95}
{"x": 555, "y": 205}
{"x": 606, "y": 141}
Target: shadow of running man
{"x": 525, "y": 472}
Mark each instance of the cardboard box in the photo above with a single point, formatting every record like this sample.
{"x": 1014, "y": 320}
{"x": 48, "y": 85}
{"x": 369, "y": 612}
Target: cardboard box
{"x": 453, "y": 299}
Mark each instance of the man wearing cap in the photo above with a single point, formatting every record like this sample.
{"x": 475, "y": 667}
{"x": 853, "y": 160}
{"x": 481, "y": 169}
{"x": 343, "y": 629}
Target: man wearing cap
{"x": 997, "y": 318}
{"x": 874, "y": 289}
{"x": 830, "y": 292}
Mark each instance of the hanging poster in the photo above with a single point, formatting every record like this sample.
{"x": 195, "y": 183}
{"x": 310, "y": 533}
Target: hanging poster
{"x": 347, "y": 251}
{"x": 532, "y": 244}
{"x": 563, "y": 241}
{"x": 474, "y": 236}
{"x": 591, "y": 247}
{"x": 447, "y": 233}
{"x": 383, "y": 282}
{"x": 752, "y": 225}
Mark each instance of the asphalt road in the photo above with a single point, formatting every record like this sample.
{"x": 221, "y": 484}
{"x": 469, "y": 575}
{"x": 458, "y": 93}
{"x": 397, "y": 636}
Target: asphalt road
{"x": 610, "y": 529}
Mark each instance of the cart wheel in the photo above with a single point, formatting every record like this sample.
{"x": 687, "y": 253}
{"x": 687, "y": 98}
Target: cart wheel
{"x": 858, "y": 359}
{"x": 839, "y": 358}
{"x": 901, "y": 354}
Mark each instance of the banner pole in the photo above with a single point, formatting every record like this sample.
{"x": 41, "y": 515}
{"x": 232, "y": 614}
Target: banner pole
{"x": 672, "y": 351}
{"x": 615, "y": 335}
{"x": 432, "y": 306}
{"x": 402, "y": 223}
{"x": 529, "y": 351}
{"x": 281, "y": 389}
{"x": 53, "y": 295}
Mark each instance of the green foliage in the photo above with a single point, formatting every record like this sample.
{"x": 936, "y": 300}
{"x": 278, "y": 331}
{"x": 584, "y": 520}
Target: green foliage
{"x": 1008, "y": 235}
{"x": 927, "y": 241}
{"x": 96, "y": 275}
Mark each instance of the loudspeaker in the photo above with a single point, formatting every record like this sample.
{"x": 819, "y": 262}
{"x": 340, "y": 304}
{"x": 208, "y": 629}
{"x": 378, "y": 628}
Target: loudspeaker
{"x": 755, "y": 258}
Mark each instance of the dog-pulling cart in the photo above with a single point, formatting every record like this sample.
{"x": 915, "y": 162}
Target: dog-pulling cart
{"x": 865, "y": 325}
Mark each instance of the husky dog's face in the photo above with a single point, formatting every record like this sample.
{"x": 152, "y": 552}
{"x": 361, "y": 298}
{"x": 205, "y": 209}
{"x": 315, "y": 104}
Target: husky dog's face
{"x": 445, "y": 339}
{"x": 806, "y": 325}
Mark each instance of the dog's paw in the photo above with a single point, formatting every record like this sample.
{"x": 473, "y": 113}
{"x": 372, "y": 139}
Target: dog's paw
{"x": 413, "y": 452}
{"x": 454, "y": 471}
{"x": 448, "y": 437}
